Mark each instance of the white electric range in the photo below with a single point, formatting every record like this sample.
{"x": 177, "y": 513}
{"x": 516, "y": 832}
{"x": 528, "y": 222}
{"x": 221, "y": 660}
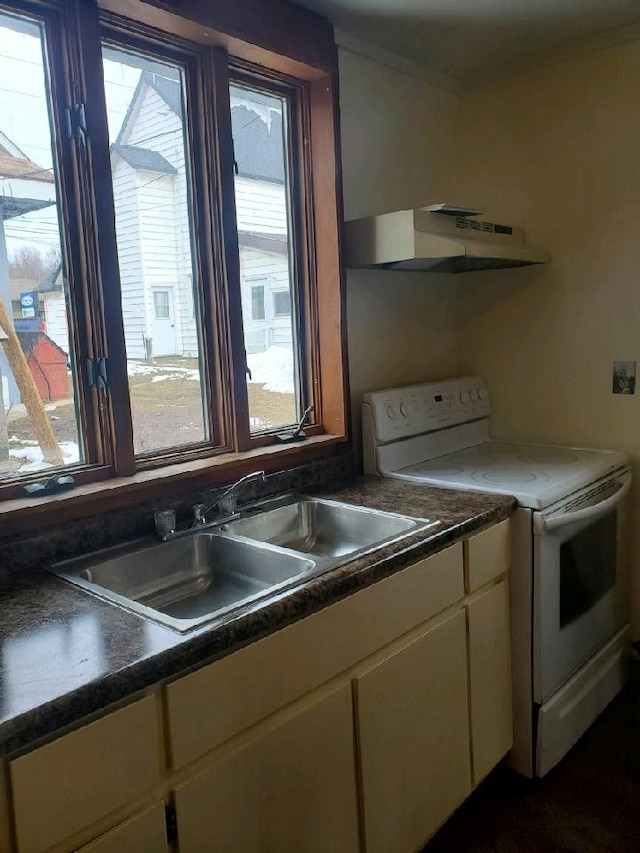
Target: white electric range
{"x": 569, "y": 601}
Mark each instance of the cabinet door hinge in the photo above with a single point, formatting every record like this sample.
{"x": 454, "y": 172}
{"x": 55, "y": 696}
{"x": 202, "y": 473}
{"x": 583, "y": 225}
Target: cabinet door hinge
{"x": 171, "y": 824}
{"x": 97, "y": 373}
{"x": 76, "y": 119}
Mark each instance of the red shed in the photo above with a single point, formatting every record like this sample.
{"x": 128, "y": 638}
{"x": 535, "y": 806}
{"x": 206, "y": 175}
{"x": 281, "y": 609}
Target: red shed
{"x": 48, "y": 365}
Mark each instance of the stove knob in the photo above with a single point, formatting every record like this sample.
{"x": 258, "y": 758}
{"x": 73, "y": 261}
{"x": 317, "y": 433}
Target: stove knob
{"x": 473, "y": 395}
{"x": 482, "y": 394}
{"x": 403, "y": 409}
{"x": 464, "y": 397}
{"x": 391, "y": 412}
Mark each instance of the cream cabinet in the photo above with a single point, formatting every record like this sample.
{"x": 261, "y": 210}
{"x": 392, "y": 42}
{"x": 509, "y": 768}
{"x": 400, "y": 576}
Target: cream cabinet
{"x": 413, "y": 732}
{"x": 359, "y": 728}
{"x": 64, "y": 787}
{"x": 143, "y": 833}
{"x": 219, "y": 701}
{"x": 289, "y": 789}
{"x": 490, "y": 679}
{"x": 487, "y": 555}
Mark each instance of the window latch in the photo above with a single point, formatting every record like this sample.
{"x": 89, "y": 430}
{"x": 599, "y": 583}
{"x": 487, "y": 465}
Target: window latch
{"x": 76, "y": 117}
{"x": 97, "y": 373}
{"x": 50, "y": 486}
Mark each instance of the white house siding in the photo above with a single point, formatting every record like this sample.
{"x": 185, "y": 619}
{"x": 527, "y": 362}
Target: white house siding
{"x": 259, "y": 268}
{"x": 154, "y": 126}
{"x": 163, "y": 236}
{"x": 128, "y": 241}
{"x": 55, "y": 316}
{"x": 260, "y": 206}
{"x": 158, "y": 242}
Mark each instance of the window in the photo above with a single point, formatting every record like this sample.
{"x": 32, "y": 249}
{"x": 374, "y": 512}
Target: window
{"x": 282, "y": 303}
{"x": 40, "y": 427}
{"x": 147, "y": 182}
{"x": 257, "y": 302}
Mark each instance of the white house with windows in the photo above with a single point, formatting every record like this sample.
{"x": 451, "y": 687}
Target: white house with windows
{"x": 152, "y": 224}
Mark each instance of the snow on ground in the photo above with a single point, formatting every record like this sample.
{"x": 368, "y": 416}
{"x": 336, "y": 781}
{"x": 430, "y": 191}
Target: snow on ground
{"x": 30, "y": 453}
{"x": 273, "y": 368}
{"x": 160, "y": 372}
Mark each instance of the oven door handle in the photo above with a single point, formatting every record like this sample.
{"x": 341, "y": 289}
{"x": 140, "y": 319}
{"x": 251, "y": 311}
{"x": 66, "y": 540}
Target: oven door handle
{"x": 543, "y": 525}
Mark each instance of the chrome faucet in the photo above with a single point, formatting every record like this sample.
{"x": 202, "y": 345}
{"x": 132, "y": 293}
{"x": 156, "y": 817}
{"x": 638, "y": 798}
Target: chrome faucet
{"x": 227, "y": 501}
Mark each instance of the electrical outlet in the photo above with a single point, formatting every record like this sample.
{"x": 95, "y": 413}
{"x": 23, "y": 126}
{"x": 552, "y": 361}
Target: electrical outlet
{"x": 624, "y": 377}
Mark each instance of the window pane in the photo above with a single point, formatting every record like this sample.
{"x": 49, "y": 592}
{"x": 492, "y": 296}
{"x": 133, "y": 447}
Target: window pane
{"x": 263, "y": 210}
{"x": 39, "y": 425}
{"x": 154, "y": 230}
{"x": 282, "y": 303}
{"x": 257, "y": 303}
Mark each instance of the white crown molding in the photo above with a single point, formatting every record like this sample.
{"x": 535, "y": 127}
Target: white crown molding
{"x": 353, "y": 44}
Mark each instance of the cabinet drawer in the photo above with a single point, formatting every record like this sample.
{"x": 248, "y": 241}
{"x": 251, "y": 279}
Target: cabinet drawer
{"x": 218, "y": 701}
{"x": 70, "y": 783}
{"x": 488, "y": 555}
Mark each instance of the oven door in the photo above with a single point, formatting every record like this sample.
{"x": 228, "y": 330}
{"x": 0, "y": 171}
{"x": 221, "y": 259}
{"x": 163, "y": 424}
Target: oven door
{"x": 579, "y": 580}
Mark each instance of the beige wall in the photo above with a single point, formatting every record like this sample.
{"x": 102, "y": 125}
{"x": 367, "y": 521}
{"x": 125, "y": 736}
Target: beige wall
{"x": 396, "y": 143}
{"x": 557, "y": 150}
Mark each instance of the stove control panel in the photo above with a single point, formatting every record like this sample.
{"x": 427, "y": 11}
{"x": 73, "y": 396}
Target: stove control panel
{"x": 397, "y": 413}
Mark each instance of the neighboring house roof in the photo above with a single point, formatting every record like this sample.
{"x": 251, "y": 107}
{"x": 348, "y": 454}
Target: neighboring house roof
{"x": 20, "y": 285}
{"x": 21, "y": 167}
{"x": 30, "y": 340}
{"x": 21, "y": 182}
{"x": 144, "y": 158}
{"x": 276, "y": 244}
{"x": 52, "y": 283}
{"x": 10, "y": 147}
{"x": 258, "y": 146}
{"x": 169, "y": 91}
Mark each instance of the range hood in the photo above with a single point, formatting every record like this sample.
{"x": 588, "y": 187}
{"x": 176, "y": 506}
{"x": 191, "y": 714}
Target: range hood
{"x": 437, "y": 238}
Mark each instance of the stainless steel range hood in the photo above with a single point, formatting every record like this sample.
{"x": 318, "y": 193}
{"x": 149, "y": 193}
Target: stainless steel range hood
{"x": 438, "y": 238}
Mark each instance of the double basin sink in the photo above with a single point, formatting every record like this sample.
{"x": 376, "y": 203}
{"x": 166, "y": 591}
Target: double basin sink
{"x": 205, "y": 575}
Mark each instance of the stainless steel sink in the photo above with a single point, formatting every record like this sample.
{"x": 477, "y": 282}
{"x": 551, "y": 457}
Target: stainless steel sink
{"x": 323, "y": 528}
{"x": 203, "y": 575}
{"x": 186, "y": 581}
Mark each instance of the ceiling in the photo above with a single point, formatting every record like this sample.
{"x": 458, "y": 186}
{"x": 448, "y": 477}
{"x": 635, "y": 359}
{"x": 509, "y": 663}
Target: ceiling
{"x": 469, "y": 41}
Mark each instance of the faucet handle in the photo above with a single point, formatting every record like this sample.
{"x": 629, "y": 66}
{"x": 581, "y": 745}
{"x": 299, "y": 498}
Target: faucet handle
{"x": 198, "y": 515}
{"x": 165, "y": 521}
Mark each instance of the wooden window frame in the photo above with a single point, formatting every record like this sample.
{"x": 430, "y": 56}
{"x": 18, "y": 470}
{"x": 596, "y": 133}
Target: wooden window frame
{"x": 304, "y": 64}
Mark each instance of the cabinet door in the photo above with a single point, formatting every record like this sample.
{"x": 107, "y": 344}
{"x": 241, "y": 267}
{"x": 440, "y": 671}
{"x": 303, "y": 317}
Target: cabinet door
{"x": 85, "y": 775}
{"x": 144, "y": 833}
{"x": 290, "y": 790}
{"x": 490, "y": 679}
{"x": 413, "y": 729}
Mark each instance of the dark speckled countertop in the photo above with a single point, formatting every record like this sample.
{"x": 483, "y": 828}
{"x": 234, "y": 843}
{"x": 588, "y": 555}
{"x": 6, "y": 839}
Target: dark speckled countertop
{"x": 65, "y": 654}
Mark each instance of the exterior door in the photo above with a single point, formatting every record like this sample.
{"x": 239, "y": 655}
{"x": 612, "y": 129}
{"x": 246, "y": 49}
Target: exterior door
{"x": 164, "y": 329}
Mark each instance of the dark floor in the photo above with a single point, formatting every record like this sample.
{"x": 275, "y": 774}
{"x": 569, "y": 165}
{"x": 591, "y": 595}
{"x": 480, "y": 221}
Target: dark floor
{"x": 589, "y": 803}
